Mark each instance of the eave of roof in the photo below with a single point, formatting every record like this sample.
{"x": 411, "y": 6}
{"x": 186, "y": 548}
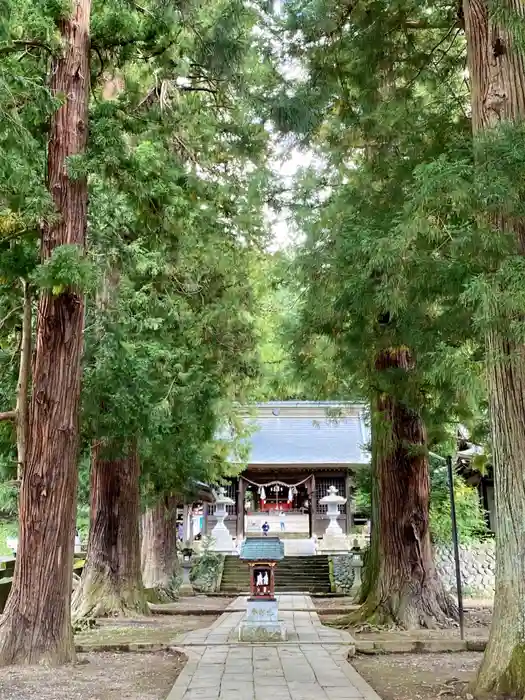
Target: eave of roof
{"x": 308, "y": 433}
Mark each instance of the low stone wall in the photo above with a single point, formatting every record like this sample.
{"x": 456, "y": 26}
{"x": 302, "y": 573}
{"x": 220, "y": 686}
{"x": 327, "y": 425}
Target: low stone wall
{"x": 343, "y": 575}
{"x": 478, "y": 563}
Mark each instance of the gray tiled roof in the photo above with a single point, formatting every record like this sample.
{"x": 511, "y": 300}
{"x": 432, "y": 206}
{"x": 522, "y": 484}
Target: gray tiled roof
{"x": 290, "y": 437}
{"x": 262, "y": 549}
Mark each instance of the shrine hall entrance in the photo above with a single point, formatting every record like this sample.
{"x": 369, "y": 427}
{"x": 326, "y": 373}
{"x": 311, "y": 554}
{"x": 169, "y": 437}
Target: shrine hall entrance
{"x": 284, "y": 505}
{"x": 288, "y": 502}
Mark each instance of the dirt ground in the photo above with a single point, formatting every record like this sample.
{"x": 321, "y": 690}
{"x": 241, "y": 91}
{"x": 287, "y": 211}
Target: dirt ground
{"x": 195, "y": 604}
{"x": 99, "y": 676}
{"x": 477, "y": 623}
{"x": 156, "y": 629}
{"x": 421, "y": 676}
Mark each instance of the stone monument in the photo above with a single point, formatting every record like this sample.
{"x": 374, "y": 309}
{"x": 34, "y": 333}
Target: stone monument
{"x": 334, "y": 539}
{"x": 223, "y": 541}
{"x": 261, "y": 621}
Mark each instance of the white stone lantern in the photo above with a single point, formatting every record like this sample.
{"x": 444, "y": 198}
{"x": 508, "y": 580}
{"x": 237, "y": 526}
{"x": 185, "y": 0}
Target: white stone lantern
{"x": 223, "y": 541}
{"x": 334, "y": 539}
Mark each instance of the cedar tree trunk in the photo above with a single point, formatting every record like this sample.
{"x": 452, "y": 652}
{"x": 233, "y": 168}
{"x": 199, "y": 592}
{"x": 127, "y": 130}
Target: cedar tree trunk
{"x": 111, "y": 582}
{"x": 36, "y": 624}
{"x": 402, "y": 585}
{"x": 497, "y": 74}
{"x": 160, "y": 564}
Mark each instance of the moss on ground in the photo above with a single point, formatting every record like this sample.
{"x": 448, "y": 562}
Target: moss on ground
{"x": 141, "y": 630}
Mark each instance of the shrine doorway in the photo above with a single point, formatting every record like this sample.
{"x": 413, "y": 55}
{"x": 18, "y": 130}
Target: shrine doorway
{"x": 285, "y": 506}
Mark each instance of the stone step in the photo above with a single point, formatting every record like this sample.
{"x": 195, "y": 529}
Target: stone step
{"x": 294, "y": 573}
{"x": 300, "y": 559}
{"x": 278, "y": 581}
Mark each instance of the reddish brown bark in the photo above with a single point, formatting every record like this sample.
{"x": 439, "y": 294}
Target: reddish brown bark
{"x": 497, "y": 75}
{"x": 111, "y": 582}
{"x": 36, "y": 624}
{"x": 160, "y": 564}
{"x": 403, "y": 586}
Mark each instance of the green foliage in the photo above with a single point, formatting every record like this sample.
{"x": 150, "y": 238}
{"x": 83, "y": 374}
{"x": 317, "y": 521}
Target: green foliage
{"x": 176, "y": 169}
{"x": 378, "y": 269}
{"x": 8, "y": 500}
{"x": 470, "y": 516}
{"x": 279, "y": 379}
{"x": 469, "y": 513}
{"x": 363, "y": 492}
{"x": 66, "y": 268}
{"x": 8, "y": 529}
{"x": 206, "y": 569}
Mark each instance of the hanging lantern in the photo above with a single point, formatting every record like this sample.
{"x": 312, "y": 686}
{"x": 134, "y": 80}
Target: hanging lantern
{"x": 290, "y": 494}
{"x": 262, "y": 493}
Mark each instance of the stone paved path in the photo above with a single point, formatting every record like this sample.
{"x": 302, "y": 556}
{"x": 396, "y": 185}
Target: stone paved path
{"x": 286, "y": 602}
{"x": 312, "y": 665}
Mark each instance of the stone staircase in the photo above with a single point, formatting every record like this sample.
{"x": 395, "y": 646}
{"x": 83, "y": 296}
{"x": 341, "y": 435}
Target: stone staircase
{"x": 308, "y": 574}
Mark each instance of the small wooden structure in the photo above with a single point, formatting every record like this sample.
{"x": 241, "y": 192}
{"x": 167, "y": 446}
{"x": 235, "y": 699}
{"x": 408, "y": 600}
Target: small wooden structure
{"x": 262, "y": 555}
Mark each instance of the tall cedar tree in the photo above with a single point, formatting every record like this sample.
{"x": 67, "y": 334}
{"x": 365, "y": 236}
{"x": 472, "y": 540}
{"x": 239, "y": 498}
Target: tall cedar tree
{"x": 111, "y": 582}
{"x": 379, "y": 108}
{"x": 36, "y": 624}
{"x": 172, "y": 172}
{"x": 372, "y": 121}
{"x": 496, "y": 60}
{"x": 159, "y": 559}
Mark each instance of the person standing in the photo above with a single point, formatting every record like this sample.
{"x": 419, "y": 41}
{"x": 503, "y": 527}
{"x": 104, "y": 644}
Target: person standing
{"x": 265, "y": 528}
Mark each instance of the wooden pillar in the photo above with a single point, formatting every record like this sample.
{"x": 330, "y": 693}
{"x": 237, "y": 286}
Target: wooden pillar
{"x": 205, "y": 512}
{"x": 313, "y": 506}
{"x": 485, "y": 503}
{"x": 349, "y": 495}
{"x": 186, "y": 524}
{"x": 240, "y": 508}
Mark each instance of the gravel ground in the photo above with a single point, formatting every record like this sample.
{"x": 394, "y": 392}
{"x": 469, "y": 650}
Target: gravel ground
{"x": 101, "y": 676}
{"x": 420, "y": 677}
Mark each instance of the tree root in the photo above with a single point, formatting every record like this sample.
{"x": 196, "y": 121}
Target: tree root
{"x": 100, "y": 596}
{"x": 164, "y": 594}
{"x": 408, "y": 611}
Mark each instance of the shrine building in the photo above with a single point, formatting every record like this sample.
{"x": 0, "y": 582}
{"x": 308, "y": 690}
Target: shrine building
{"x": 297, "y": 451}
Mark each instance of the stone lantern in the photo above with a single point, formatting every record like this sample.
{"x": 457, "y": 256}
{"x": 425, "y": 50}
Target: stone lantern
{"x": 334, "y": 539}
{"x": 186, "y": 588}
{"x": 223, "y": 541}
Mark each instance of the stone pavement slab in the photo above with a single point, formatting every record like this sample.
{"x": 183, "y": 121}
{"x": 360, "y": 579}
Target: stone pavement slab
{"x": 297, "y": 612}
{"x": 286, "y": 602}
{"x": 311, "y": 666}
{"x": 294, "y": 673}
